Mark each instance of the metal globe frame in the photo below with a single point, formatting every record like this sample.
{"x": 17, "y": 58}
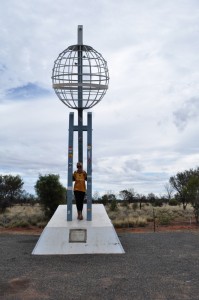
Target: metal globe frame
{"x": 80, "y": 67}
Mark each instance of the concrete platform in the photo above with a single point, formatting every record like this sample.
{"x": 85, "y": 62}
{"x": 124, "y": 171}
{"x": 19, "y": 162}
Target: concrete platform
{"x": 79, "y": 237}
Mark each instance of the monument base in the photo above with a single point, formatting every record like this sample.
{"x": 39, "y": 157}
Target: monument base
{"x": 79, "y": 237}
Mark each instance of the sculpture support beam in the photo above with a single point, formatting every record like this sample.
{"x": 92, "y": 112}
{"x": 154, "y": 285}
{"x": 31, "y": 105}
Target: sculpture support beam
{"x": 70, "y": 168}
{"x": 89, "y": 167}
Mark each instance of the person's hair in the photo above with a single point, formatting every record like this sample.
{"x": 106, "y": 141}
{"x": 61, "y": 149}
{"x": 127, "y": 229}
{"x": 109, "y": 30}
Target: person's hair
{"x": 79, "y": 164}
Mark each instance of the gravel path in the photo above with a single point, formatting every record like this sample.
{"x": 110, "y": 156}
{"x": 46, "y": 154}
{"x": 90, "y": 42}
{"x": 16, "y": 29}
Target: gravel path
{"x": 156, "y": 266}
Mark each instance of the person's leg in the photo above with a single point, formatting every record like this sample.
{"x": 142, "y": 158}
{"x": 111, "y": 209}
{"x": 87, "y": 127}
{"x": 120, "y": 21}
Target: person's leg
{"x": 81, "y": 203}
{"x": 79, "y": 199}
{"x": 78, "y": 202}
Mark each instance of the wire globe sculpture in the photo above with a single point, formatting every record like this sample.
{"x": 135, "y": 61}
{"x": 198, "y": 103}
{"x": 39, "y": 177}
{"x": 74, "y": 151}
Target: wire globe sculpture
{"x": 80, "y": 77}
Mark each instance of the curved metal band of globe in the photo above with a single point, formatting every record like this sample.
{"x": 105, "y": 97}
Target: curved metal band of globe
{"x": 85, "y": 86}
{"x": 86, "y": 104}
{"x": 82, "y": 47}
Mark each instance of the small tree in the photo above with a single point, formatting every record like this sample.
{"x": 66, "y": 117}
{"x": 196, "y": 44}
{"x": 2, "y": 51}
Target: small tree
{"x": 193, "y": 192}
{"x": 141, "y": 199}
{"x": 10, "y": 190}
{"x": 169, "y": 191}
{"x": 50, "y": 192}
{"x": 187, "y": 186}
{"x": 27, "y": 198}
{"x": 107, "y": 198}
{"x": 127, "y": 196}
{"x": 179, "y": 183}
{"x": 104, "y": 199}
{"x": 96, "y": 197}
{"x": 154, "y": 200}
{"x": 113, "y": 205}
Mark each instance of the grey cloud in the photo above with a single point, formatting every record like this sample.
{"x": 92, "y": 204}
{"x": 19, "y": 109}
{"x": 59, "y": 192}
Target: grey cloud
{"x": 186, "y": 113}
{"x": 2, "y": 68}
{"x": 30, "y": 90}
{"x": 133, "y": 165}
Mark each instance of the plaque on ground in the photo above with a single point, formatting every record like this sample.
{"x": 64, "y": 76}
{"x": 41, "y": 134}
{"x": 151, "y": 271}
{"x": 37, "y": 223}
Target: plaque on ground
{"x": 77, "y": 236}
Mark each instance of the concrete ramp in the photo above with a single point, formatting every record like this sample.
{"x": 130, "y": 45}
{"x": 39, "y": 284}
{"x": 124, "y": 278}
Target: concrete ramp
{"x": 79, "y": 237}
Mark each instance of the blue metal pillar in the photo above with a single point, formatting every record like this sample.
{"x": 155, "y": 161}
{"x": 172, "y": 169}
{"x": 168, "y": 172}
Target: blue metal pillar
{"x": 70, "y": 168}
{"x": 89, "y": 166}
{"x": 80, "y": 135}
{"x": 80, "y": 94}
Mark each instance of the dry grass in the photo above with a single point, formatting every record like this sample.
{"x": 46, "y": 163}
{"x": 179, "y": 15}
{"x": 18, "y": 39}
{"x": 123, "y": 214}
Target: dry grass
{"x": 130, "y": 216}
{"x": 23, "y": 216}
{"x": 124, "y": 216}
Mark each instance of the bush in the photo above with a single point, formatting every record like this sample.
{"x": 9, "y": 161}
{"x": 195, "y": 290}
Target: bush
{"x": 113, "y": 206}
{"x": 4, "y": 204}
{"x": 125, "y": 203}
{"x": 157, "y": 202}
{"x": 173, "y": 202}
{"x": 135, "y": 206}
{"x": 130, "y": 222}
{"x": 10, "y": 190}
{"x": 19, "y": 223}
{"x": 164, "y": 220}
{"x": 50, "y": 192}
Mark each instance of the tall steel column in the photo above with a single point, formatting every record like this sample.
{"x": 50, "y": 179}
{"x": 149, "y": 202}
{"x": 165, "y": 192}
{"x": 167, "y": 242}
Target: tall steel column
{"x": 80, "y": 100}
{"x": 89, "y": 167}
{"x": 70, "y": 168}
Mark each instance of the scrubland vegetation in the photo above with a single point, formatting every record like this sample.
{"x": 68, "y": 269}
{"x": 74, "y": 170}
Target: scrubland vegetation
{"x": 24, "y": 215}
{"x": 132, "y": 216}
{"x": 180, "y": 203}
{"x": 123, "y": 216}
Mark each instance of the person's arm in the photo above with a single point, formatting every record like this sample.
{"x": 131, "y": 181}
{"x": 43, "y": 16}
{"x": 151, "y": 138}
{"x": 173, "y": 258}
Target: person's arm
{"x": 74, "y": 176}
{"x": 85, "y": 175}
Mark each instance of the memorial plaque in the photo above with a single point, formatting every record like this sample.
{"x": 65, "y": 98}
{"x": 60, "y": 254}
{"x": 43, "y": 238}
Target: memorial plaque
{"x": 77, "y": 236}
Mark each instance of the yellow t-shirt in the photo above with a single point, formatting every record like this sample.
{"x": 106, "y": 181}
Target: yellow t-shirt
{"x": 79, "y": 178}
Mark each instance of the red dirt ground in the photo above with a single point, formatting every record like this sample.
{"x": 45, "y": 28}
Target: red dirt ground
{"x": 148, "y": 228}
{"x": 161, "y": 228}
{"x": 20, "y": 230}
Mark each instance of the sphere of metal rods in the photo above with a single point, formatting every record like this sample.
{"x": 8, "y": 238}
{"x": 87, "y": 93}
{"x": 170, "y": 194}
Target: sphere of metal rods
{"x": 80, "y": 77}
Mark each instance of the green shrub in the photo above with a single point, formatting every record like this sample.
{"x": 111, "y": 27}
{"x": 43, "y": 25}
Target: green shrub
{"x": 19, "y": 223}
{"x": 164, "y": 219}
{"x": 173, "y": 202}
{"x": 125, "y": 203}
{"x": 135, "y": 206}
{"x": 113, "y": 205}
{"x": 157, "y": 202}
{"x": 4, "y": 220}
{"x": 50, "y": 192}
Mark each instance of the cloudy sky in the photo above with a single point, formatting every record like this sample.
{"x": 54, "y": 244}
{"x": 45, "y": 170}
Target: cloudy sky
{"x": 146, "y": 127}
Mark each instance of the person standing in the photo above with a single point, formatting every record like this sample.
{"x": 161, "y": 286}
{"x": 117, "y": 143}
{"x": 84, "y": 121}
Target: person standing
{"x": 79, "y": 176}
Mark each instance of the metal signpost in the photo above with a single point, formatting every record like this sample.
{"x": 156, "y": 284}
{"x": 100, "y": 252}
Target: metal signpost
{"x": 80, "y": 79}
